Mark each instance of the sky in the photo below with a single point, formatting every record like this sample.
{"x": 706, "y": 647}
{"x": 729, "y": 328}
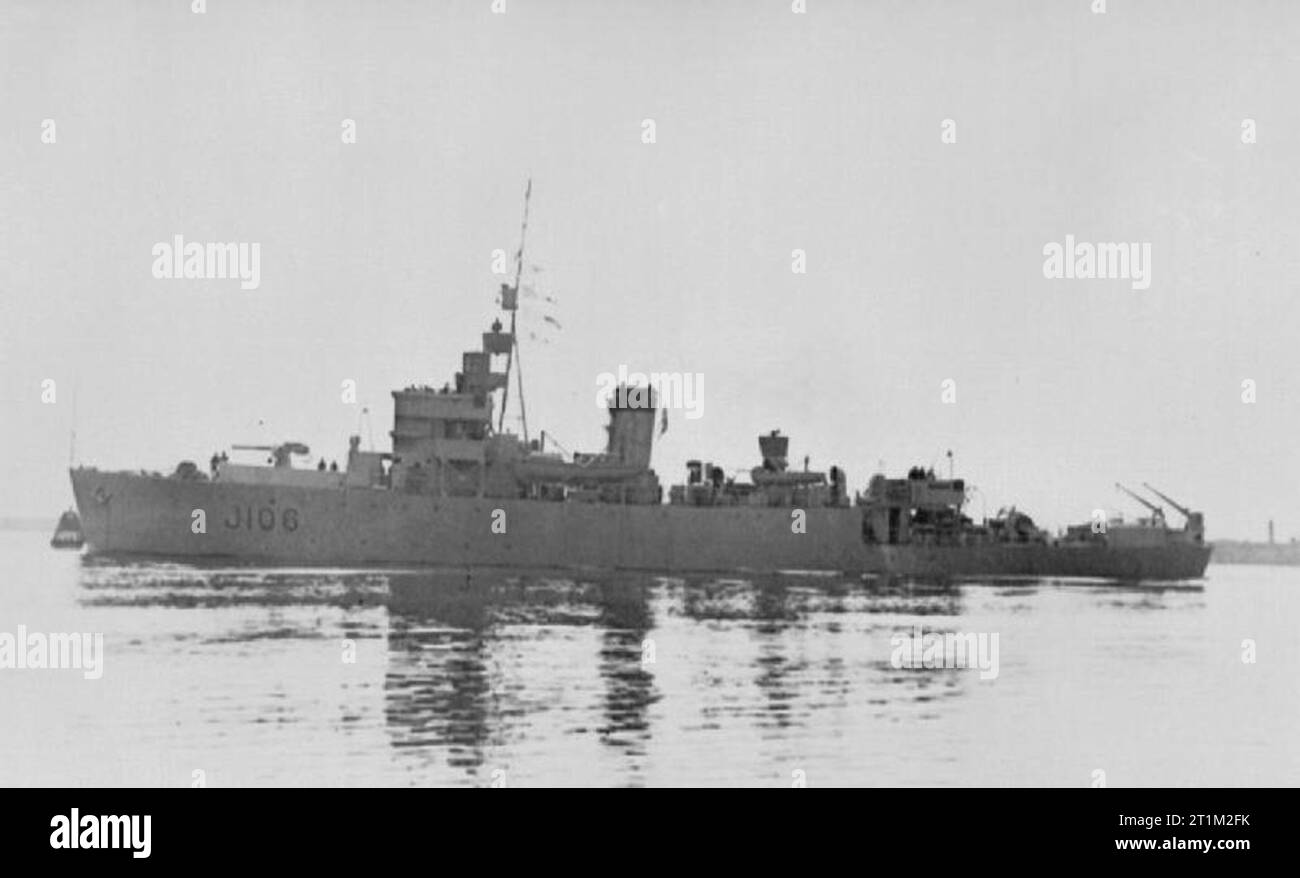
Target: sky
{"x": 773, "y": 131}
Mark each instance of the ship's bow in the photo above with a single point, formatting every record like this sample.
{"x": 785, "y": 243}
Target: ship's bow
{"x": 92, "y": 506}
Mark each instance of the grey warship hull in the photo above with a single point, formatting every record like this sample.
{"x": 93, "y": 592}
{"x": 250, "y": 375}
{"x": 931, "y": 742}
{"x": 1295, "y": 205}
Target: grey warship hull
{"x": 131, "y": 514}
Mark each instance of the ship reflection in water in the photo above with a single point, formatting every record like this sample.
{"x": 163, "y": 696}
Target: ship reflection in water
{"x": 316, "y": 677}
{"x": 463, "y": 649}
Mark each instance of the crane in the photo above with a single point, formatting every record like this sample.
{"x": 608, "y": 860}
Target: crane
{"x": 1156, "y": 512}
{"x": 1195, "y": 525}
{"x": 1186, "y": 513}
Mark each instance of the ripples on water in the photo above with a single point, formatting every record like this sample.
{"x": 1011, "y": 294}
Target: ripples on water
{"x": 458, "y": 679}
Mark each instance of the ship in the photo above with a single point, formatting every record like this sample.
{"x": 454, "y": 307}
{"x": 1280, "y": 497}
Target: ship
{"x": 67, "y": 533}
{"x": 455, "y": 490}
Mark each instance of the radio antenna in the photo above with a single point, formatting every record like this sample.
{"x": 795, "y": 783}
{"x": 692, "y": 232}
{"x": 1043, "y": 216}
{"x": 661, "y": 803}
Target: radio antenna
{"x": 72, "y": 437}
{"x": 512, "y": 357}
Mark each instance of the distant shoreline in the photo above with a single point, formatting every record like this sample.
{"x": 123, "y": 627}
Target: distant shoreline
{"x": 1241, "y": 552}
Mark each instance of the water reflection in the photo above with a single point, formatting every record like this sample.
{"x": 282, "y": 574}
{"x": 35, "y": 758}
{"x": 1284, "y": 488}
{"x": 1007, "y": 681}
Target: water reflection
{"x": 480, "y": 672}
{"x": 463, "y": 669}
{"x": 548, "y": 679}
{"x": 439, "y": 686}
{"x": 627, "y": 656}
{"x": 774, "y": 615}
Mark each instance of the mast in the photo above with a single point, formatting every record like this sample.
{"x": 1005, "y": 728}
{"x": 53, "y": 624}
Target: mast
{"x": 72, "y": 434}
{"x": 513, "y": 354}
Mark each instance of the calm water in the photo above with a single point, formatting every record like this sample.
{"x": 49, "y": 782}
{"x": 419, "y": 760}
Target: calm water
{"x": 240, "y": 673}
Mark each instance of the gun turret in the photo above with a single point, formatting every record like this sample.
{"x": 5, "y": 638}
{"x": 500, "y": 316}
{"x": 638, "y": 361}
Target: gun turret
{"x": 280, "y": 454}
{"x": 1156, "y": 511}
{"x": 1186, "y": 513}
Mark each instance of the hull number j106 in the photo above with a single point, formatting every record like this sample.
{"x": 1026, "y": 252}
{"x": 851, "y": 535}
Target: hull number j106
{"x": 264, "y": 518}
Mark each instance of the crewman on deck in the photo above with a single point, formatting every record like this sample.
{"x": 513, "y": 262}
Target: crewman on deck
{"x": 321, "y": 466}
